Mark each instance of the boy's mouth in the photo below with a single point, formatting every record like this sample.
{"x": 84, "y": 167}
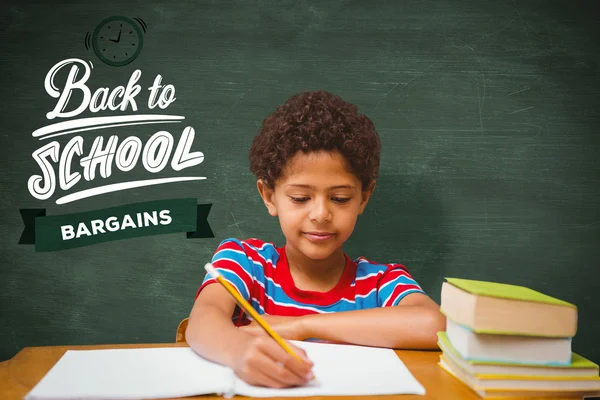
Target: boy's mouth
{"x": 319, "y": 236}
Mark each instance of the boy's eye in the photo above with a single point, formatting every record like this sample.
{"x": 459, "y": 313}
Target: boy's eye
{"x": 341, "y": 199}
{"x": 299, "y": 199}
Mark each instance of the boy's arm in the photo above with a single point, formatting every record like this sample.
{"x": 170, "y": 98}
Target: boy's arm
{"x": 210, "y": 331}
{"x": 413, "y": 324}
{"x": 258, "y": 361}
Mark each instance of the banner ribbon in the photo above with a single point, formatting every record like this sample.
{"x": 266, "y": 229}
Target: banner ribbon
{"x": 67, "y": 231}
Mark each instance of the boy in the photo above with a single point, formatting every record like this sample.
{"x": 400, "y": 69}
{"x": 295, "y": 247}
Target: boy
{"x": 316, "y": 160}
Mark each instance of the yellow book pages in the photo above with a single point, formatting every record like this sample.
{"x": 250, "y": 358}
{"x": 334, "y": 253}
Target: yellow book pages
{"x": 492, "y": 377}
{"x": 577, "y": 361}
{"x": 497, "y": 377}
{"x": 497, "y": 332}
{"x": 506, "y": 291}
{"x": 511, "y": 392}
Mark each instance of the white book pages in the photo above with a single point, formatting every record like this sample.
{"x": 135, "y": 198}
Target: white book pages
{"x": 346, "y": 370}
{"x": 154, "y": 373}
{"x": 132, "y": 374}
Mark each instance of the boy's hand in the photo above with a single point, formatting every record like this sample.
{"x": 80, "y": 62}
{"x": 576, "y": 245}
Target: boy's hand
{"x": 290, "y": 328}
{"x": 262, "y": 362}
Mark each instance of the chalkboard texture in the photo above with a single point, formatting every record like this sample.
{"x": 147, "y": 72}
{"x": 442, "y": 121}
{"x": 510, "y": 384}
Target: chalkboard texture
{"x": 488, "y": 113}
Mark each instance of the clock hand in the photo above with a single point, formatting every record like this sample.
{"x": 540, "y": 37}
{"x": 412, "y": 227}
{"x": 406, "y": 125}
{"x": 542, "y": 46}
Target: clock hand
{"x": 118, "y": 38}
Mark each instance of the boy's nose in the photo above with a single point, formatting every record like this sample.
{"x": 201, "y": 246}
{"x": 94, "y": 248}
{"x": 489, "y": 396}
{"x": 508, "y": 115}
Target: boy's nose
{"x": 320, "y": 212}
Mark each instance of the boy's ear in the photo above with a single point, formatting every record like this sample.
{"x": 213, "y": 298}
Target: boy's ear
{"x": 267, "y": 195}
{"x": 366, "y": 195}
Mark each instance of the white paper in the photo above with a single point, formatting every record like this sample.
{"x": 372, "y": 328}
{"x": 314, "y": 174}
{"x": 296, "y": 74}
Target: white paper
{"x": 346, "y": 370}
{"x": 154, "y": 373}
{"x": 132, "y": 374}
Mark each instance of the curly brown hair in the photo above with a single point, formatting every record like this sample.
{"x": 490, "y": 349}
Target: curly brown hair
{"x": 313, "y": 121}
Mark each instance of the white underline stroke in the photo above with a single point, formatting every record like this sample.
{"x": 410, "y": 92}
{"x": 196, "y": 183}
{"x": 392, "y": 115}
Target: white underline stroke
{"x": 115, "y": 187}
{"x": 75, "y": 125}
{"x": 105, "y": 126}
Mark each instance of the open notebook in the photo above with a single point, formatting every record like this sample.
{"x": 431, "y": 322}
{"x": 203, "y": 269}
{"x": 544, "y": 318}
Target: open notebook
{"x": 153, "y": 373}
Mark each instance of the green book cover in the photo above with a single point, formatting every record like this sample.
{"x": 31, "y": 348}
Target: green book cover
{"x": 577, "y": 361}
{"x": 506, "y": 291}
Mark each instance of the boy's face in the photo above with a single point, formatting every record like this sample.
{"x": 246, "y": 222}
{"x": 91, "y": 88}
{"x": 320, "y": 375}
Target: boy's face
{"x": 317, "y": 201}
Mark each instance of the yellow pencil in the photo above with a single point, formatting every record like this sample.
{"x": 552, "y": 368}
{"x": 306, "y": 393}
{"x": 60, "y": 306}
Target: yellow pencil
{"x": 248, "y": 308}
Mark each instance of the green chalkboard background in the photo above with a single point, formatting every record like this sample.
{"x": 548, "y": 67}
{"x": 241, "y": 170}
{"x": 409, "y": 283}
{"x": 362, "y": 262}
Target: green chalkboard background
{"x": 488, "y": 112}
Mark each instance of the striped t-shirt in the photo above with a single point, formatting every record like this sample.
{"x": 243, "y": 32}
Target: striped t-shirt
{"x": 259, "y": 271}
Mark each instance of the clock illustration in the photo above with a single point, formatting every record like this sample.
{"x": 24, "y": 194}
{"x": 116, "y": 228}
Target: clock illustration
{"x": 117, "y": 41}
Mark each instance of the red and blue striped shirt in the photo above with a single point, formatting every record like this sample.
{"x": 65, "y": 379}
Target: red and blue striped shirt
{"x": 259, "y": 271}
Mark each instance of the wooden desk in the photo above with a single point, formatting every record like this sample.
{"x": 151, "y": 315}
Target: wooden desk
{"x": 21, "y": 373}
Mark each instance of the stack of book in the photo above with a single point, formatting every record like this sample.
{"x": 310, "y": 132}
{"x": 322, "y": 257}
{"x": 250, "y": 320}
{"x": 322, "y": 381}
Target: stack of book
{"x": 511, "y": 341}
